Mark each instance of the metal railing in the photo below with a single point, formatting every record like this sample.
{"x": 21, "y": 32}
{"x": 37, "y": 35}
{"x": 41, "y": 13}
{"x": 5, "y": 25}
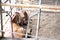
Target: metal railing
{"x": 38, "y": 23}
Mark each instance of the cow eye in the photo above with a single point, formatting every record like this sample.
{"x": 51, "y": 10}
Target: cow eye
{"x": 6, "y": 15}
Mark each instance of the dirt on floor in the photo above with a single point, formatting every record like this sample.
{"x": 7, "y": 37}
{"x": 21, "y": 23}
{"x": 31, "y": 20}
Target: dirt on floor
{"x": 49, "y": 25}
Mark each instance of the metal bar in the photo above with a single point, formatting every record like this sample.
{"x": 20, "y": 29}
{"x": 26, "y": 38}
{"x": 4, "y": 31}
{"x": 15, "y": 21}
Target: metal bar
{"x": 27, "y": 28}
{"x": 32, "y": 15}
{"x": 38, "y": 24}
{"x": 38, "y": 21}
{"x": 11, "y": 21}
{"x": 1, "y": 19}
{"x": 1, "y": 31}
{"x": 56, "y": 2}
{"x": 21, "y": 3}
{"x": 5, "y": 1}
{"x": 33, "y": 6}
{"x": 50, "y": 10}
{"x": 19, "y": 33}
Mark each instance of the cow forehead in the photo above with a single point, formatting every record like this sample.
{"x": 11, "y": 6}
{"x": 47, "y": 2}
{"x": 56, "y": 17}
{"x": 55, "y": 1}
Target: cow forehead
{"x": 21, "y": 14}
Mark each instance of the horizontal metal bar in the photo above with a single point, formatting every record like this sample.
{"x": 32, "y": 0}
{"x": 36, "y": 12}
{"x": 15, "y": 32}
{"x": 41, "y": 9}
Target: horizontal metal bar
{"x": 32, "y": 6}
{"x": 18, "y": 33}
{"x": 43, "y": 7}
{"x": 2, "y": 31}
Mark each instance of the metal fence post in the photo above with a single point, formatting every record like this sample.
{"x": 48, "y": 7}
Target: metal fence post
{"x": 38, "y": 21}
{"x": 1, "y": 19}
{"x": 27, "y": 29}
{"x": 11, "y": 21}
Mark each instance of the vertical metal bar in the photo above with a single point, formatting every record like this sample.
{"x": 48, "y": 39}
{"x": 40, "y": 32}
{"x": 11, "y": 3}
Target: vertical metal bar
{"x": 56, "y": 2}
{"x": 27, "y": 28}
{"x": 38, "y": 21}
{"x": 1, "y": 19}
{"x": 11, "y": 21}
{"x": 21, "y": 3}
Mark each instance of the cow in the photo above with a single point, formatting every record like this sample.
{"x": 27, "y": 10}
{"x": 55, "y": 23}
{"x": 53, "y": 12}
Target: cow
{"x": 18, "y": 21}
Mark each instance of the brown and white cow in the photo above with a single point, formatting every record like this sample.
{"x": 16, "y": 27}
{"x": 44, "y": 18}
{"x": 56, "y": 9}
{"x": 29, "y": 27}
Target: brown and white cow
{"x": 19, "y": 19}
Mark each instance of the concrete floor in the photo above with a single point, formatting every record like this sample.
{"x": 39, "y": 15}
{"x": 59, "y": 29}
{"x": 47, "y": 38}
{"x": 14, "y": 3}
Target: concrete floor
{"x": 42, "y": 38}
